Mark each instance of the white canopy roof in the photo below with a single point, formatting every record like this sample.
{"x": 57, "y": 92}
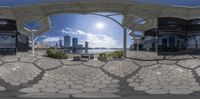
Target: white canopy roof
{"x": 131, "y": 10}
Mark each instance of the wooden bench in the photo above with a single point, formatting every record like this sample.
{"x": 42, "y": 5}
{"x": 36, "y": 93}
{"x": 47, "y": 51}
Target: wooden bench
{"x": 76, "y": 58}
{"x": 85, "y": 56}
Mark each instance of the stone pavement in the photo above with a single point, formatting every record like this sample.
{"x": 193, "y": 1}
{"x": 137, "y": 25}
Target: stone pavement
{"x": 144, "y": 74}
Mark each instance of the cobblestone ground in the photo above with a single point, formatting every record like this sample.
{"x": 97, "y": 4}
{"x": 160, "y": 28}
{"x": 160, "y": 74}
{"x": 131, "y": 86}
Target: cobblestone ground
{"x": 36, "y": 76}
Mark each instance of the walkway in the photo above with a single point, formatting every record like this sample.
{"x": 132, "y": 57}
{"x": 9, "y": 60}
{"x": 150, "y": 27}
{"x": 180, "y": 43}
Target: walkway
{"x": 42, "y": 77}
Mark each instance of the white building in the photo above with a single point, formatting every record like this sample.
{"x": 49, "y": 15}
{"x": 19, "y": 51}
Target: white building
{"x": 42, "y": 45}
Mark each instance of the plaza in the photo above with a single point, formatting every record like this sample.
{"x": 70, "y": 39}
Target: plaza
{"x": 30, "y": 76}
{"x": 27, "y": 72}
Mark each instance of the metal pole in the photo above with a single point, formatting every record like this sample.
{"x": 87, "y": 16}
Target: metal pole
{"x": 124, "y": 42}
{"x": 33, "y": 43}
{"x": 137, "y": 44}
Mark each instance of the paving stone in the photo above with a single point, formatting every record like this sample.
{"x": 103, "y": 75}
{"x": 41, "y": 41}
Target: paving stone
{"x": 1, "y": 62}
{"x": 48, "y": 63}
{"x": 163, "y": 77}
{"x": 62, "y": 86}
{"x": 90, "y": 89}
{"x": 196, "y": 88}
{"x": 95, "y": 63}
{"x": 190, "y": 63}
{"x": 113, "y": 85}
{"x": 39, "y": 86}
{"x": 157, "y": 91}
{"x": 109, "y": 90}
{"x": 68, "y": 62}
{"x": 167, "y": 61}
{"x": 181, "y": 91}
{"x": 52, "y": 90}
{"x": 88, "y": 84}
{"x": 145, "y": 63}
{"x": 74, "y": 80}
{"x": 120, "y": 68}
{"x": 30, "y": 90}
{"x": 198, "y": 71}
{"x": 145, "y": 55}
{"x": 70, "y": 91}
{"x": 44, "y": 95}
{"x": 2, "y": 88}
{"x": 95, "y": 95}
{"x": 17, "y": 73}
{"x": 28, "y": 59}
{"x": 141, "y": 88}
{"x": 77, "y": 86}
{"x": 100, "y": 85}
{"x": 10, "y": 58}
{"x": 182, "y": 57}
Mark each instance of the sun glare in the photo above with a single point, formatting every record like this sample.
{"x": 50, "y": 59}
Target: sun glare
{"x": 100, "y": 25}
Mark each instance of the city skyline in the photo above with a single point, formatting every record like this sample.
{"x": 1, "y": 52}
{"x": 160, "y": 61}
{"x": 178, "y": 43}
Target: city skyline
{"x": 97, "y": 30}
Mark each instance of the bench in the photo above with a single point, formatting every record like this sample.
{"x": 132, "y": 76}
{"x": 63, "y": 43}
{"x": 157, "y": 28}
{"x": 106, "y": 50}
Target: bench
{"x": 76, "y": 58}
{"x": 85, "y": 56}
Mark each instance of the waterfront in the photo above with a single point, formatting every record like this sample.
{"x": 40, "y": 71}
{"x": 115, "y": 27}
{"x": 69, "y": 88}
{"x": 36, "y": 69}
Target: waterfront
{"x": 91, "y": 51}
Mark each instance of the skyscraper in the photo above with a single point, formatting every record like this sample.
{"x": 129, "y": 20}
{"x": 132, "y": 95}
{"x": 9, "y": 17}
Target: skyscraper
{"x": 67, "y": 41}
{"x": 86, "y": 47}
{"x": 60, "y": 43}
{"x": 74, "y": 42}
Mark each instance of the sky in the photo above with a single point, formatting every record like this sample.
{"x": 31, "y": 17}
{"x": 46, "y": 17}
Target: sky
{"x": 98, "y": 31}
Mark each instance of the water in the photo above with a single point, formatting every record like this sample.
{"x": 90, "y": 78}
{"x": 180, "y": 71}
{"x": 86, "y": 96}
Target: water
{"x": 91, "y": 51}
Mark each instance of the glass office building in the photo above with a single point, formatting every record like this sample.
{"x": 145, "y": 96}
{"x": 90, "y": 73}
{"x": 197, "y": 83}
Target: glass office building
{"x": 11, "y": 40}
{"x": 173, "y": 35}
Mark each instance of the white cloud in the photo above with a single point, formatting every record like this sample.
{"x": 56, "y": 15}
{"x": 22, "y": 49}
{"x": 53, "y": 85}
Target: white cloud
{"x": 51, "y": 39}
{"x": 98, "y": 40}
{"x": 93, "y": 39}
{"x": 69, "y": 31}
{"x": 43, "y": 36}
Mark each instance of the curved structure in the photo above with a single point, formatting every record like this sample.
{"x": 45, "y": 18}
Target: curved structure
{"x": 129, "y": 9}
{"x": 174, "y": 35}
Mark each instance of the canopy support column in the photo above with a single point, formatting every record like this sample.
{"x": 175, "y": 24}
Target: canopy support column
{"x": 124, "y": 42}
{"x": 33, "y": 43}
{"x": 137, "y": 46}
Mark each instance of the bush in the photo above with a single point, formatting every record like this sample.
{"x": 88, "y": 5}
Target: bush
{"x": 117, "y": 54}
{"x": 56, "y": 55}
{"x": 107, "y": 56}
{"x": 103, "y": 57}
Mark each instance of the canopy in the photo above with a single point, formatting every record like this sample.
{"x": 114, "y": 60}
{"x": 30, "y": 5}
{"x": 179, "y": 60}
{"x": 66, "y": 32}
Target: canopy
{"x": 131, "y": 10}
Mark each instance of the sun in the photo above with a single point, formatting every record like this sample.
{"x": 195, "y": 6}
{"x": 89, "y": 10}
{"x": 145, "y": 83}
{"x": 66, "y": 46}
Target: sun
{"x": 100, "y": 25}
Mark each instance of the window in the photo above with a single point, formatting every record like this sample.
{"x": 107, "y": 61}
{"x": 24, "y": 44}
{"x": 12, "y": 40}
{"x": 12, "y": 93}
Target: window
{"x": 172, "y": 23}
{"x": 196, "y": 22}
{"x": 171, "y": 41}
{"x": 3, "y": 22}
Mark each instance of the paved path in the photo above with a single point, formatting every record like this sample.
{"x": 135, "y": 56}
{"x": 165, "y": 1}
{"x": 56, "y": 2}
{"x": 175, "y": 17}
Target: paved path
{"x": 38, "y": 76}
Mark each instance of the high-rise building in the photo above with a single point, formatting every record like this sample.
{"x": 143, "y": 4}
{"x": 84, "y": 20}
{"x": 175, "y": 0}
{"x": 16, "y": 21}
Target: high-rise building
{"x": 74, "y": 42}
{"x": 67, "y": 41}
{"x": 60, "y": 43}
{"x": 86, "y": 47}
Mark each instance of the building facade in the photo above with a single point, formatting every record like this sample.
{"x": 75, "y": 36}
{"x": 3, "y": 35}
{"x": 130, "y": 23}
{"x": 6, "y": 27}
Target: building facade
{"x": 60, "y": 43}
{"x": 42, "y": 45}
{"x": 173, "y": 35}
{"x": 67, "y": 41}
{"x": 74, "y": 42}
{"x": 11, "y": 40}
{"x": 86, "y": 47}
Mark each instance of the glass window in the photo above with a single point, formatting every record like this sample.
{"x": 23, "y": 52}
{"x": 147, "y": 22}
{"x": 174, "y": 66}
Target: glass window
{"x": 172, "y": 23}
